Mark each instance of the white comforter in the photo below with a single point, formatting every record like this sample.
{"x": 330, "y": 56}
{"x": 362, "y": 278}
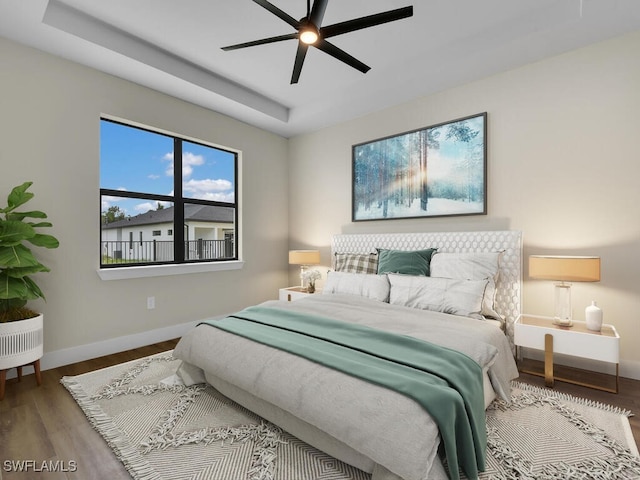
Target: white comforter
{"x": 384, "y": 426}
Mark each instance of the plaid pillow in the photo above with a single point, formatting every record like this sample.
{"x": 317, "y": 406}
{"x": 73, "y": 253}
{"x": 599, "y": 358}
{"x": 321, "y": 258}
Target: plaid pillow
{"x": 356, "y": 262}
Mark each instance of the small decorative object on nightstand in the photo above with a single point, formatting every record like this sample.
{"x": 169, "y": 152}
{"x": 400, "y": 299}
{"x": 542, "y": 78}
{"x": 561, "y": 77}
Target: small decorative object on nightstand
{"x": 564, "y": 269}
{"x": 593, "y": 317}
{"x": 311, "y": 276}
{"x": 541, "y": 333}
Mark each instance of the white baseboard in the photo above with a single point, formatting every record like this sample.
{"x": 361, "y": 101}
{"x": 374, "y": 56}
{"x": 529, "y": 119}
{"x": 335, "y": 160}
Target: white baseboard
{"x": 630, "y": 369}
{"x": 81, "y": 353}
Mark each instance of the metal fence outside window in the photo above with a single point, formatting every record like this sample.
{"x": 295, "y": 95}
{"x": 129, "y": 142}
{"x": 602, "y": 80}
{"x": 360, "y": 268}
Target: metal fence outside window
{"x": 155, "y": 251}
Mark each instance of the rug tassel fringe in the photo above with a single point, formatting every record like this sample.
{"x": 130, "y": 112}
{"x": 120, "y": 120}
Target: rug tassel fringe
{"x": 571, "y": 398}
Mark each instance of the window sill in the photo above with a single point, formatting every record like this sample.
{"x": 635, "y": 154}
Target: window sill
{"x": 146, "y": 271}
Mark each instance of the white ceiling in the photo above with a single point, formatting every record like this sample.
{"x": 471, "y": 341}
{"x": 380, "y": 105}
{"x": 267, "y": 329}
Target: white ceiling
{"x": 174, "y": 46}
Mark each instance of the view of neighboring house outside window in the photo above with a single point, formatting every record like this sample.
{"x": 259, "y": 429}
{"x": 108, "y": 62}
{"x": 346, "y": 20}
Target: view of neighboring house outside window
{"x": 176, "y": 197}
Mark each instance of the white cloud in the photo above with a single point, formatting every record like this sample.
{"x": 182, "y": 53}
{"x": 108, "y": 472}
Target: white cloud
{"x": 145, "y": 207}
{"x": 189, "y": 160}
{"x": 219, "y": 190}
{"x": 207, "y": 185}
{"x": 108, "y": 201}
{"x": 168, "y": 157}
{"x": 218, "y": 197}
{"x": 153, "y": 176}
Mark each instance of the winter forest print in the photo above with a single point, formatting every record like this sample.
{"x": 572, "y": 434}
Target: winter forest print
{"x": 435, "y": 171}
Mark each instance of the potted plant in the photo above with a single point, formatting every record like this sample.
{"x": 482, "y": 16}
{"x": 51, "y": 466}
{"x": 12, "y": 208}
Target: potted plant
{"x": 20, "y": 327}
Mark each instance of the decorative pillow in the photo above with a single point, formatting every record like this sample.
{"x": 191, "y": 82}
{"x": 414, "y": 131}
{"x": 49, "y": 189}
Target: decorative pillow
{"x": 356, "y": 262}
{"x": 408, "y": 262}
{"x": 447, "y": 295}
{"x": 375, "y": 287}
{"x": 471, "y": 266}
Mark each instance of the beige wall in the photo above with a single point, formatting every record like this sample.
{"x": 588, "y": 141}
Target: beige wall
{"x": 49, "y": 133}
{"x": 563, "y": 167}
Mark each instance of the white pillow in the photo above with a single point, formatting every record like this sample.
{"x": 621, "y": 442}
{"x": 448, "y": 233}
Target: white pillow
{"x": 447, "y": 295}
{"x": 471, "y": 266}
{"x": 375, "y": 287}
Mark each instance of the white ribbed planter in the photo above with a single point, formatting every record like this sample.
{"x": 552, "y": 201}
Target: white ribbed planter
{"x": 20, "y": 342}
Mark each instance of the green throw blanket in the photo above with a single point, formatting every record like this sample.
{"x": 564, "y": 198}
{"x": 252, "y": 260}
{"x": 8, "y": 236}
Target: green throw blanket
{"x": 446, "y": 383}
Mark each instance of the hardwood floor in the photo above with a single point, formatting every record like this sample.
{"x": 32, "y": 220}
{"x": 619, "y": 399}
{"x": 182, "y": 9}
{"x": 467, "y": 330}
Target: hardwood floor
{"x": 45, "y": 424}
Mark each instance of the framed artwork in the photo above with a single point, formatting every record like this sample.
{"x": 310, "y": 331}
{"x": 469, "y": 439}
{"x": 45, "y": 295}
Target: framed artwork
{"x": 435, "y": 171}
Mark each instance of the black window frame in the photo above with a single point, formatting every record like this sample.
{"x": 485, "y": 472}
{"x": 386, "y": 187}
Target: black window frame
{"x": 179, "y": 202}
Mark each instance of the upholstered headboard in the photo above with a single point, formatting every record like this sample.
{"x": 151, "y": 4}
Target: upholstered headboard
{"x": 509, "y": 284}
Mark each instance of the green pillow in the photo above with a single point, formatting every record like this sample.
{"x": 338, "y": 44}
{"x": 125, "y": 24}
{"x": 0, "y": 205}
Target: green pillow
{"x": 414, "y": 262}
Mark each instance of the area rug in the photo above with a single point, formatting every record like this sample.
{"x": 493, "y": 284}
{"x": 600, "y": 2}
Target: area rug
{"x": 161, "y": 430}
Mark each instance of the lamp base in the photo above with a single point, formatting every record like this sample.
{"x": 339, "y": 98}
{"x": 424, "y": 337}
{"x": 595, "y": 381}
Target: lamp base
{"x": 563, "y": 322}
{"x": 562, "y": 308}
{"x": 302, "y": 268}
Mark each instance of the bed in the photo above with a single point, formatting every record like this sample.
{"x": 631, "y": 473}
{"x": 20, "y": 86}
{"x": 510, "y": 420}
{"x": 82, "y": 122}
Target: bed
{"x": 363, "y": 423}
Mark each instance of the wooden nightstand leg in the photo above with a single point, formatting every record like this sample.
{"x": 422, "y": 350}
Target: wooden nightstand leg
{"x": 548, "y": 360}
{"x": 36, "y": 370}
{"x": 3, "y": 379}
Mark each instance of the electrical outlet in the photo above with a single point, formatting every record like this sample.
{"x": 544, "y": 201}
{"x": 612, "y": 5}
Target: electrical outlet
{"x": 151, "y": 303}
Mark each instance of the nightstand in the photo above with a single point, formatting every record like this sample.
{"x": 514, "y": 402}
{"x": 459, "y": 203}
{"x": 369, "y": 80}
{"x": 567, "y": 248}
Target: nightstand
{"x": 531, "y": 331}
{"x": 291, "y": 294}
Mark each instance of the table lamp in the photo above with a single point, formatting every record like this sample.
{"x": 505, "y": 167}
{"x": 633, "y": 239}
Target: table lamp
{"x": 304, "y": 258}
{"x": 564, "y": 269}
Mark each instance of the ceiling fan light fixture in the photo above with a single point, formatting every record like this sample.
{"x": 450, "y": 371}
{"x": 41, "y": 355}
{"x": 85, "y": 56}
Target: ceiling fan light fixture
{"x": 309, "y": 35}
{"x": 309, "y": 31}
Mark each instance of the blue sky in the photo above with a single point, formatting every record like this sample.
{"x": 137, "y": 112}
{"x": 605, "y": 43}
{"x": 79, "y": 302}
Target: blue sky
{"x": 136, "y": 160}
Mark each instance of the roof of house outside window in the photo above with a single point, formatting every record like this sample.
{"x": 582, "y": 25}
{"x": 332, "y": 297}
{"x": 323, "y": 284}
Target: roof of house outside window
{"x": 200, "y": 213}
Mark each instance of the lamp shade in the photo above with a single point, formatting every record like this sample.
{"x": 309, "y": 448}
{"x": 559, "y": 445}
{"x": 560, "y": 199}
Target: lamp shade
{"x": 564, "y": 268}
{"x": 304, "y": 257}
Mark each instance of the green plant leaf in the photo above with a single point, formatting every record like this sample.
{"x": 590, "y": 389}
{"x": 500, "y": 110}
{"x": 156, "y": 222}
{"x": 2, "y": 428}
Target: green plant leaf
{"x": 40, "y": 224}
{"x": 33, "y": 289}
{"x": 24, "y": 271}
{"x": 42, "y": 240}
{"x": 17, "y": 256}
{"x": 17, "y": 261}
{"x": 13, "y": 233}
{"x": 19, "y": 196}
{"x": 12, "y": 287}
{"x": 21, "y": 215}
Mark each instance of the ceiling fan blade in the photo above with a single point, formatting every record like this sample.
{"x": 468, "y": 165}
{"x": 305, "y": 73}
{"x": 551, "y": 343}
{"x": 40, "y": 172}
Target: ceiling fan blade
{"x": 341, "y": 55}
{"x": 279, "y": 38}
{"x": 365, "y": 22}
{"x": 279, "y": 13}
{"x": 317, "y": 12}
{"x": 297, "y": 66}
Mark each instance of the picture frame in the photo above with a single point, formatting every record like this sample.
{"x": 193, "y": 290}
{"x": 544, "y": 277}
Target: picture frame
{"x": 435, "y": 171}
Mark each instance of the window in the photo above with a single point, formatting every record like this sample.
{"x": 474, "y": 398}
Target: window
{"x": 152, "y": 182}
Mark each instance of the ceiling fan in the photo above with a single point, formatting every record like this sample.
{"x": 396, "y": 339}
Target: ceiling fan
{"x": 311, "y": 33}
